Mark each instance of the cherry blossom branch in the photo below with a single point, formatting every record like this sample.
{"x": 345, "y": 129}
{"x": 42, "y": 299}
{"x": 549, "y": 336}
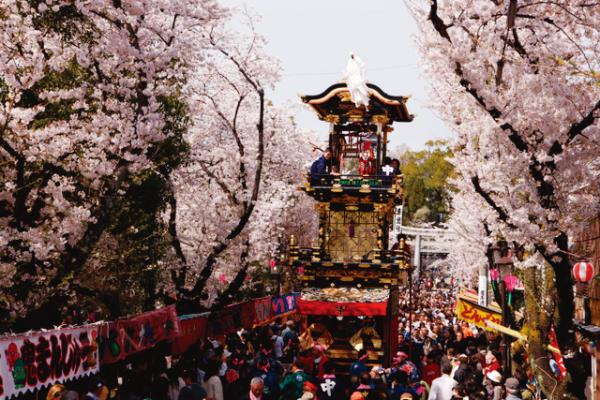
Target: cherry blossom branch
{"x": 488, "y": 199}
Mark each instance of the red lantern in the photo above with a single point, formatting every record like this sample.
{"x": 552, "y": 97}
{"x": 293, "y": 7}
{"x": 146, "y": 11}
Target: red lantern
{"x": 583, "y": 271}
{"x": 511, "y": 282}
{"x": 494, "y": 275}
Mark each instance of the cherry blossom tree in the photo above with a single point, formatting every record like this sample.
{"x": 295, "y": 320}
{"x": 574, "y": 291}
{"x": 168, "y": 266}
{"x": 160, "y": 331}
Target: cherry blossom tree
{"x": 139, "y": 154}
{"x": 83, "y": 89}
{"x": 246, "y": 159}
{"x": 518, "y": 80}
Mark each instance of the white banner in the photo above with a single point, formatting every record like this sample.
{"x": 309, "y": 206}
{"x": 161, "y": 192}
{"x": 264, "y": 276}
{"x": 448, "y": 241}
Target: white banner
{"x": 32, "y": 361}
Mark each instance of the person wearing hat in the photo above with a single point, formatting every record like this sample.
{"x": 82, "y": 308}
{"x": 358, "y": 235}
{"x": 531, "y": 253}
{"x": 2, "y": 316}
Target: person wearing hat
{"x": 512, "y": 389}
{"x": 460, "y": 370}
{"x": 310, "y": 387}
{"x": 364, "y": 391}
{"x": 401, "y": 362}
{"x": 494, "y": 385}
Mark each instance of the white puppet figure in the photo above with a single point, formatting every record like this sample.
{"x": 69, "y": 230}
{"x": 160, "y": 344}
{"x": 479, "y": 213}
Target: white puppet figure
{"x": 355, "y": 79}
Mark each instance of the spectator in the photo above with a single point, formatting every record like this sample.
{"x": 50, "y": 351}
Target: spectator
{"x": 512, "y": 389}
{"x": 441, "y": 388}
{"x": 55, "y": 392}
{"x": 292, "y": 385}
{"x": 69, "y": 395}
{"x": 95, "y": 388}
{"x": 330, "y": 388}
{"x": 212, "y": 382}
{"x": 289, "y": 334}
{"x": 494, "y": 385}
{"x": 358, "y": 367}
{"x": 256, "y": 392}
{"x": 278, "y": 344}
{"x": 431, "y": 370}
{"x": 364, "y": 391}
{"x": 192, "y": 389}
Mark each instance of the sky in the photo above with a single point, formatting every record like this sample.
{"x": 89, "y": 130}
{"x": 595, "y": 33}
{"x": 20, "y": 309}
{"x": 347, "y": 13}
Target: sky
{"x": 313, "y": 39}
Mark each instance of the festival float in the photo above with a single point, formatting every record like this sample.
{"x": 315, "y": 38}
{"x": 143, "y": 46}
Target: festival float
{"x": 350, "y": 280}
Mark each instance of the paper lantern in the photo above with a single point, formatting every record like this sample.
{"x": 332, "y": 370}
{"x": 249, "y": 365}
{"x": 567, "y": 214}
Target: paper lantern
{"x": 583, "y": 271}
{"x": 494, "y": 274}
{"x": 511, "y": 282}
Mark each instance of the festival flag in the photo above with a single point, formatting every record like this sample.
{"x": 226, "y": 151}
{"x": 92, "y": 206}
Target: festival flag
{"x": 557, "y": 356}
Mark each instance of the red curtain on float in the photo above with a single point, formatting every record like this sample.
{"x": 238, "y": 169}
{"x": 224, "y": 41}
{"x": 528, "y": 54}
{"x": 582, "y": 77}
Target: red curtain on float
{"x": 307, "y": 307}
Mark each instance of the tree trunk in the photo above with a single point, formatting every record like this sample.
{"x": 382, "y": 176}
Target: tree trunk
{"x": 565, "y": 296}
{"x": 540, "y": 296}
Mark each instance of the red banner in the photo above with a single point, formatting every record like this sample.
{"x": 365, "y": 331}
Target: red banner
{"x": 262, "y": 310}
{"x": 341, "y": 309}
{"x": 37, "y": 359}
{"x": 225, "y": 321}
{"x": 191, "y": 328}
{"x": 125, "y": 337}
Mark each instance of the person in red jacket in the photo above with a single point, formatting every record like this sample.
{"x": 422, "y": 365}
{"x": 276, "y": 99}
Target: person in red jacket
{"x": 431, "y": 370}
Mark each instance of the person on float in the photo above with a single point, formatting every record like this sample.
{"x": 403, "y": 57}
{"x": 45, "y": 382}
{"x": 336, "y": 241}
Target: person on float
{"x": 365, "y": 160}
{"x": 319, "y": 167}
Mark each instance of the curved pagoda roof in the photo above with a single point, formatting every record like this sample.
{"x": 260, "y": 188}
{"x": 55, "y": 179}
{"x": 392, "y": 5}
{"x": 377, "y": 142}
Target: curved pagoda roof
{"x": 335, "y": 105}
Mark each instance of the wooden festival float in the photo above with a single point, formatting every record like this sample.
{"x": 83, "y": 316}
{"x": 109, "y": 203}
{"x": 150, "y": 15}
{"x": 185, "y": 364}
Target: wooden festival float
{"x": 349, "y": 289}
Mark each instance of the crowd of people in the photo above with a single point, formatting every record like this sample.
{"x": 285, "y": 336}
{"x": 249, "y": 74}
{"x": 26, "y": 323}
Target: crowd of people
{"x": 437, "y": 358}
